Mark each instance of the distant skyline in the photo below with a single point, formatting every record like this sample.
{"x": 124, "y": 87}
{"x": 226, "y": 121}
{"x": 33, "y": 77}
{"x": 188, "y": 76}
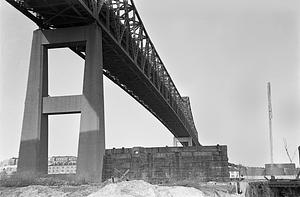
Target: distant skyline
{"x": 219, "y": 53}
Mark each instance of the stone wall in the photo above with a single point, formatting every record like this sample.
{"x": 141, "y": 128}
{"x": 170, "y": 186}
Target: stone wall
{"x": 165, "y": 164}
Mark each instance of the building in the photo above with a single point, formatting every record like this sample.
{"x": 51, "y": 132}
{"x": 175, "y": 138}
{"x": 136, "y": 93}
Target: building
{"x": 279, "y": 171}
{"x": 254, "y": 173}
{"x": 62, "y": 165}
{"x": 9, "y": 166}
{"x": 56, "y": 165}
{"x": 9, "y": 162}
{"x": 234, "y": 171}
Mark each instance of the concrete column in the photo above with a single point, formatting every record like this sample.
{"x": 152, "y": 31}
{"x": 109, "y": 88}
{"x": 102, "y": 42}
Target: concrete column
{"x": 92, "y": 137}
{"x": 33, "y": 153}
{"x": 185, "y": 141}
{"x": 175, "y": 141}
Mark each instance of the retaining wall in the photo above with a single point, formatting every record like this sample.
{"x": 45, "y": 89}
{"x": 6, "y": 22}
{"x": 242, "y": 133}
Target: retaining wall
{"x": 165, "y": 164}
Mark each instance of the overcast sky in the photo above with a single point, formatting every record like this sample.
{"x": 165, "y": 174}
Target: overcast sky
{"x": 219, "y": 53}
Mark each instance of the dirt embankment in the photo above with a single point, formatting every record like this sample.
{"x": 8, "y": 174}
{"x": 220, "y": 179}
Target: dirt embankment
{"x": 135, "y": 188}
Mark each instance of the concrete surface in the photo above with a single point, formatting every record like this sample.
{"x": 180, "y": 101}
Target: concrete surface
{"x": 33, "y": 154}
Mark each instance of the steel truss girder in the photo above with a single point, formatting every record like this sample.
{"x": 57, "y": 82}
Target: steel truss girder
{"x": 150, "y": 59}
{"x": 120, "y": 19}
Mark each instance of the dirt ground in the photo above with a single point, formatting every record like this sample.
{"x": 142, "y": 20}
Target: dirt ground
{"x": 135, "y": 188}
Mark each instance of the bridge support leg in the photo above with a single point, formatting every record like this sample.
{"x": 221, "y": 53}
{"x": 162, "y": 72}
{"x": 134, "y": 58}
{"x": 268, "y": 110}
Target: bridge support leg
{"x": 33, "y": 153}
{"x": 92, "y": 136}
{"x": 185, "y": 141}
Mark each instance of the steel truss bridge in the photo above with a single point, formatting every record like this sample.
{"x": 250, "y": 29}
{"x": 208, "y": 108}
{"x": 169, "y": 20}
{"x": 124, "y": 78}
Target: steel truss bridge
{"x": 129, "y": 57}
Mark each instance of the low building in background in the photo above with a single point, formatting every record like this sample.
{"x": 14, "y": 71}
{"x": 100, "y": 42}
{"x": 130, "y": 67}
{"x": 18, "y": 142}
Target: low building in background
{"x": 234, "y": 171}
{"x": 279, "y": 171}
{"x": 62, "y": 165}
{"x": 253, "y": 173}
{"x": 56, "y": 165}
{"x": 9, "y": 166}
{"x": 9, "y": 162}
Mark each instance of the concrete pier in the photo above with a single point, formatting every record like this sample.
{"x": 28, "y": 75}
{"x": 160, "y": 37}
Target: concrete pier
{"x": 185, "y": 141}
{"x": 168, "y": 164}
{"x": 33, "y": 153}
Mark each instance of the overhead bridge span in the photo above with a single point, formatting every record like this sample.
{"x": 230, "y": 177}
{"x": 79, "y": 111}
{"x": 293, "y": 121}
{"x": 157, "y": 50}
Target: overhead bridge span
{"x": 110, "y": 35}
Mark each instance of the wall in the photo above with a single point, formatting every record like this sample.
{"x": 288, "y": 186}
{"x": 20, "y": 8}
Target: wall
{"x": 165, "y": 164}
{"x": 281, "y": 169}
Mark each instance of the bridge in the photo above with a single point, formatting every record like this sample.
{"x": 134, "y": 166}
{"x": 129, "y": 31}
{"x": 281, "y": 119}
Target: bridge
{"x": 111, "y": 37}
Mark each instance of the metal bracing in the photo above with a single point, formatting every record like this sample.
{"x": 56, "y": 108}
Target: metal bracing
{"x": 121, "y": 22}
{"x": 150, "y": 58}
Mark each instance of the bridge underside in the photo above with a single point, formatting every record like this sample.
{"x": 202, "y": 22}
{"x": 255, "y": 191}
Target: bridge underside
{"x": 127, "y": 57}
{"x": 123, "y": 62}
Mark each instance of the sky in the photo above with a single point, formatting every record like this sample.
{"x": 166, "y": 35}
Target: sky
{"x": 219, "y": 53}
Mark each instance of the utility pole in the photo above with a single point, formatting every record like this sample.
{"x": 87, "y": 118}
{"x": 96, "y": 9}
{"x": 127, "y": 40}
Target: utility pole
{"x": 270, "y": 121}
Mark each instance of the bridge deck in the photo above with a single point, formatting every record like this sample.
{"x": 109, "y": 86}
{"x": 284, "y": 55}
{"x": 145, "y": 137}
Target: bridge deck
{"x": 130, "y": 59}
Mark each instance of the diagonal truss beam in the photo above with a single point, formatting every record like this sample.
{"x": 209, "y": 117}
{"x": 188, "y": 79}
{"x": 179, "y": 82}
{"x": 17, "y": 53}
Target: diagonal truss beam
{"x": 119, "y": 20}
